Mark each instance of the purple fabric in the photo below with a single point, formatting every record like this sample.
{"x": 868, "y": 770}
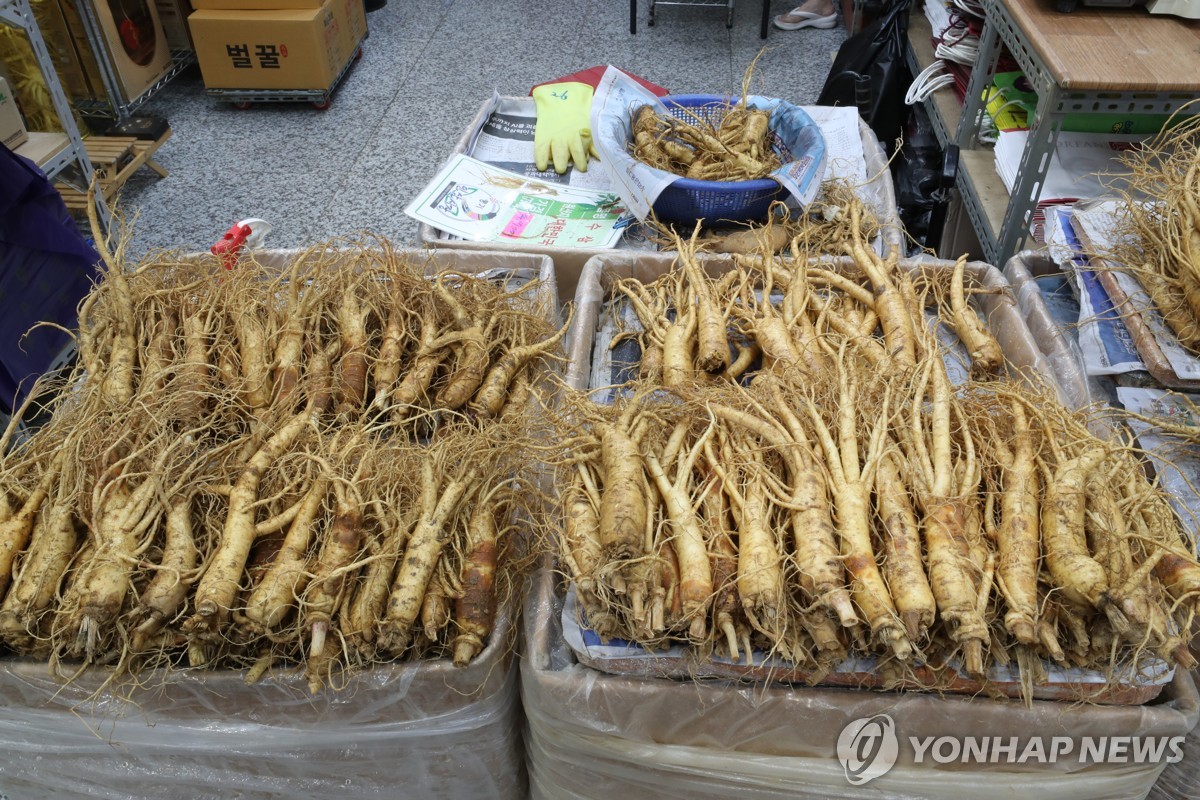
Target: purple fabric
{"x": 46, "y": 269}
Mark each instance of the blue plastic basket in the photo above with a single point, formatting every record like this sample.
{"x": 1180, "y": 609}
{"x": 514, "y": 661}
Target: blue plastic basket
{"x": 687, "y": 200}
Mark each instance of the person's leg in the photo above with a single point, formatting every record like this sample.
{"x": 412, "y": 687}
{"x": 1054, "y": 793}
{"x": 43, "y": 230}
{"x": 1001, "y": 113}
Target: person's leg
{"x": 810, "y": 14}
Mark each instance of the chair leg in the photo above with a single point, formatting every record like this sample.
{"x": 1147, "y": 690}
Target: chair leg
{"x": 633, "y": 16}
{"x": 766, "y": 19}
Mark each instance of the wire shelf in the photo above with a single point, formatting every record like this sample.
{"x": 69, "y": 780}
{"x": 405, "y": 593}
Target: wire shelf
{"x": 119, "y": 109}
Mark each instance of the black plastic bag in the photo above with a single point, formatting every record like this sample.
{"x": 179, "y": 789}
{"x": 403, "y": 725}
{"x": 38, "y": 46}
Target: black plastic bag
{"x": 917, "y": 174}
{"x": 870, "y": 73}
{"x": 924, "y": 176}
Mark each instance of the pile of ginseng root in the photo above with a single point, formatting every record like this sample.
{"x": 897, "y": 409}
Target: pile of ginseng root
{"x": 732, "y": 142}
{"x": 820, "y": 229}
{"x": 793, "y": 472}
{"x": 1160, "y": 237}
{"x": 738, "y": 148}
{"x": 250, "y": 468}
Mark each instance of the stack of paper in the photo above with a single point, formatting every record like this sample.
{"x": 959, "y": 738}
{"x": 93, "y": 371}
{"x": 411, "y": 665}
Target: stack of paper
{"x": 1083, "y": 165}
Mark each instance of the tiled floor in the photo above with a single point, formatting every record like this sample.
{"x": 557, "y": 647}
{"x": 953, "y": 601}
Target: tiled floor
{"x": 426, "y": 69}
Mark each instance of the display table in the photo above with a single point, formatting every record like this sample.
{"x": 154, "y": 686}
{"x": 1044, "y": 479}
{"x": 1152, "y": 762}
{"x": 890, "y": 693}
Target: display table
{"x": 1111, "y": 61}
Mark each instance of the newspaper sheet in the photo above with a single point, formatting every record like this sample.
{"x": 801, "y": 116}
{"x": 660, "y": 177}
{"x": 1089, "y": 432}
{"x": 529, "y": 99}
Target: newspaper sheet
{"x": 506, "y": 141}
{"x": 1176, "y": 464}
{"x": 844, "y": 156}
{"x": 1097, "y": 222}
{"x": 1057, "y": 244}
{"x": 480, "y": 202}
{"x": 1107, "y": 345}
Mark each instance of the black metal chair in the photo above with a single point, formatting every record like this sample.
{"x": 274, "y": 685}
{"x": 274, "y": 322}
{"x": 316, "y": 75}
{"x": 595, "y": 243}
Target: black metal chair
{"x": 633, "y": 10}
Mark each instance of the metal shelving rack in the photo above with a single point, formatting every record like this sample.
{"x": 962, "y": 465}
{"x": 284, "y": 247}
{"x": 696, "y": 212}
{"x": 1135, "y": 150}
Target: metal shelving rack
{"x": 976, "y": 172}
{"x": 118, "y": 105}
{"x": 69, "y": 163}
{"x": 1000, "y": 221}
{"x": 71, "y": 157}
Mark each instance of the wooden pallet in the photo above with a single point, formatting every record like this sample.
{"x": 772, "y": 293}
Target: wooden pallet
{"x": 114, "y": 159}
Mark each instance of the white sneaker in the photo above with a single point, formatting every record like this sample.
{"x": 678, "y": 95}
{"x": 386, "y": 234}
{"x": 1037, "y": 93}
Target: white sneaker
{"x": 796, "y": 19}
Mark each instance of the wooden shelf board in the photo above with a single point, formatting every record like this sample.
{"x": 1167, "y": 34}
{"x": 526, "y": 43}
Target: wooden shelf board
{"x": 41, "y": 146}
{"x": 1111, "y": 49}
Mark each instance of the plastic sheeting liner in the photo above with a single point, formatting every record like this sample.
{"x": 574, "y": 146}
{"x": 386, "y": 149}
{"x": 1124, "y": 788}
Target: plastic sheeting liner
{"x": 593, "y": 735}
{"x": 414, "y": 730}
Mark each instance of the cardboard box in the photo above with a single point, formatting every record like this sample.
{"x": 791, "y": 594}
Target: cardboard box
{"x": 288, "y": 49}
{"x": 12, "y": 126}
{"x": 354, "y": 13}
{"x": 84, "y": 57}
{"x": 255, "y": 5}
{"x": 352, "y": 27}
{"x": 173, "y": 15}
{"x": 136, "y": 43}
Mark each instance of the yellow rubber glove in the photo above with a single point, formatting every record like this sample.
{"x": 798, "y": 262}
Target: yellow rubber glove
{"x": 564, "y": 126}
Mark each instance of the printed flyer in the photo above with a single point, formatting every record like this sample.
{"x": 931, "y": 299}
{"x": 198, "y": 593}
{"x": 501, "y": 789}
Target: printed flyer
{"x": 477, "y": 201}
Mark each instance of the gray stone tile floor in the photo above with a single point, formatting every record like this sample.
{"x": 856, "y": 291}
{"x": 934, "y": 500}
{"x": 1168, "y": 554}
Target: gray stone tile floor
{"x": 426, "y": 69}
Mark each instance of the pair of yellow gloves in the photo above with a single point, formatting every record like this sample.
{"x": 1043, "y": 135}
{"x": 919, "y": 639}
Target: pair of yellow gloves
{"x": 563, "y": 132}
